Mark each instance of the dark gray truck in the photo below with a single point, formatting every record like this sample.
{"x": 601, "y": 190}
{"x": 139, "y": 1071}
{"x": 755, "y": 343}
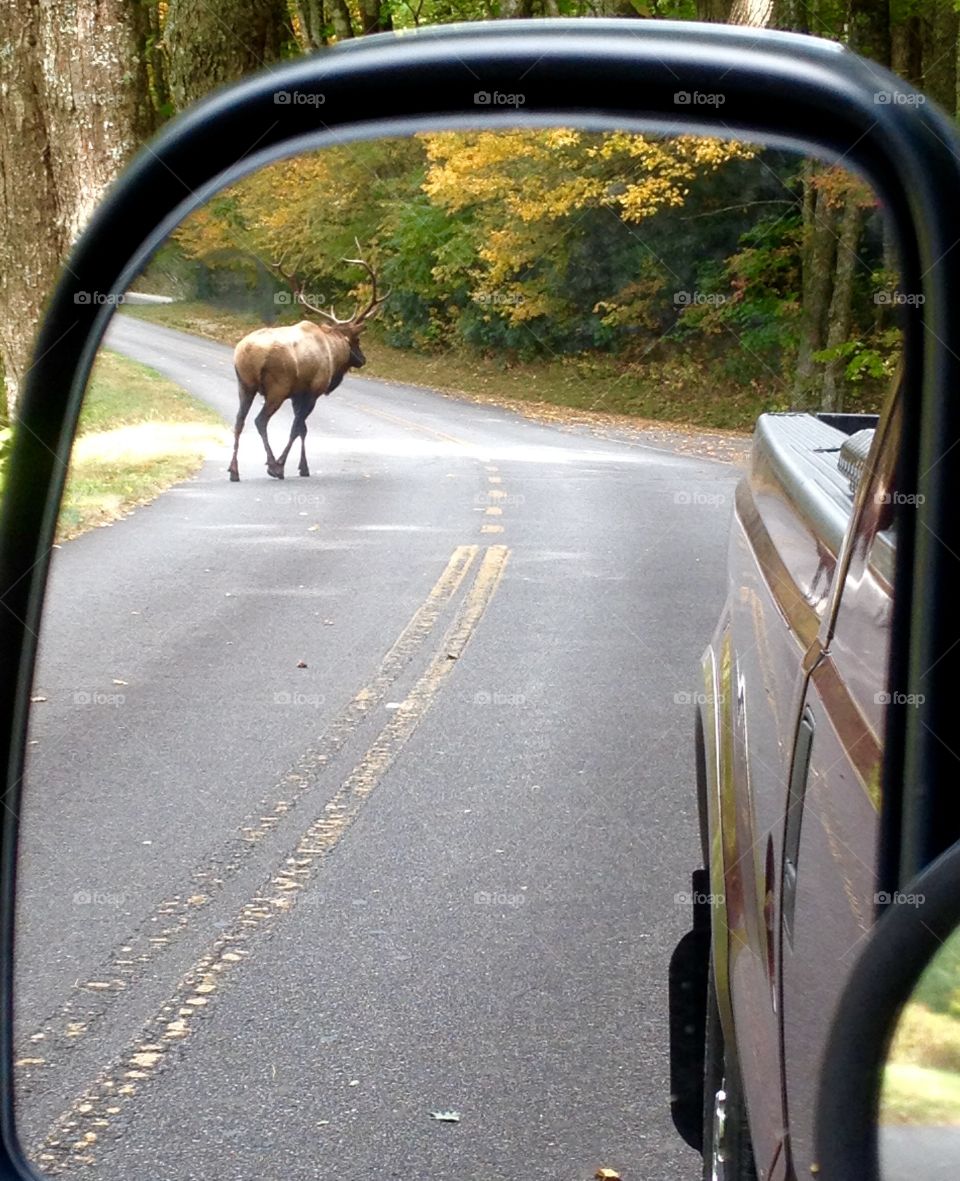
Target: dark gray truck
{"x": 789, "y": 733}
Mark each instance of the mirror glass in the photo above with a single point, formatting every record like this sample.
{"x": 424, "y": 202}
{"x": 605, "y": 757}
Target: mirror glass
{"x": 919, "y": 1114}
{"x": 360, "y": 788}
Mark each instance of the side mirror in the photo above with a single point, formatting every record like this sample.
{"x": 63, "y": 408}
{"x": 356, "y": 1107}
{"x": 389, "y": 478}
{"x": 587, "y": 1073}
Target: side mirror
{"x": 780, "y": 89}
{"x": 889, "y": 1102}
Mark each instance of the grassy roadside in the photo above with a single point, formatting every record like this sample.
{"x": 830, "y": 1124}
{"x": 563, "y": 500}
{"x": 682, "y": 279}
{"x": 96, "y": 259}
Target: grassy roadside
{"x": 138, "y": 434}
{"x": 921, "y": 1082}
{"x": 683, "y": 394}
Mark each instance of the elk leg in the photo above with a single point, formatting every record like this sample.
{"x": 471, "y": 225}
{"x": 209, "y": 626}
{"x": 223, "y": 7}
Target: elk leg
{"x": 308, "y": 404}
{"x": 270, "y": 407}
{"x": 246, "y": 400}
{"x": 296, "y": 430}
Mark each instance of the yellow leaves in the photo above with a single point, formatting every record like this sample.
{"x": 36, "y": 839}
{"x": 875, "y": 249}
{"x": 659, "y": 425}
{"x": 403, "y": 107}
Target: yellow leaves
{"x": 524, "y": 190}
{"x": 838, "y": 186}
{"x": 636, "y": 303}
{"x": 561, "y": 137}
{"x": 549, "y": 175}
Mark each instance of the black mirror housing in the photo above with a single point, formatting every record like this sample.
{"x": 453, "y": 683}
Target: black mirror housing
{"x": 777, "y": 88}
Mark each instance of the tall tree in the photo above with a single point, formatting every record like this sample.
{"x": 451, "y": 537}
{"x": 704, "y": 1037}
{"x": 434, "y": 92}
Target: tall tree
{"x": 311, "y": 24}
{"x": 70, "y": 120}
{"x": 219, "y": 41}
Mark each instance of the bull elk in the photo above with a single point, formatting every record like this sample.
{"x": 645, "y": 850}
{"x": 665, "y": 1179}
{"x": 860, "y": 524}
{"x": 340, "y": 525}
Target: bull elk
{"x": 300, "y": 362}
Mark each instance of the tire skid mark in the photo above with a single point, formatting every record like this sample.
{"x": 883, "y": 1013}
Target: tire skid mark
{"x": 158, "y": 931}
{"x": 72, "y": 1139}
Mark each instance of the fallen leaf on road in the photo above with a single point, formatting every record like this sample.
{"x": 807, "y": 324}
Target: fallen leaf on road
{"x": 116, "y": 682}
{"x": 301, "y": 664}
{"x": 447, "y": 1117}
{"x": 607, "y": 1175}
{"x": 38, "y": 698}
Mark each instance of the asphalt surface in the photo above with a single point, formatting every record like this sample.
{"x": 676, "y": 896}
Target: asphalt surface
{"x": 274, "y": 917}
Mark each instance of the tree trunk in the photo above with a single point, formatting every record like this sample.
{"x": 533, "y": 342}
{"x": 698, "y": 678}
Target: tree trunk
{"x": 156, "y": 65}
{"x": 340, "y": 19}
{"x": 714, "y": 10}
{"x": 938, "y": 36}
{"x": 756, "y": 13}
{"x": 906, "y": 58}
{"x": 831, "y": 397}
{"x": 793, "y": 16}
{"x": 819, "y": 250}
{"x": 70, "y": 121}
{"x": 516, "y": 9}
{"x": 622, "y": 8}
{"x": 868, "y": 31}
{"x": 374, "y": 18}
{"x": 220, "y": 41}
{"x": 312, "y": 24}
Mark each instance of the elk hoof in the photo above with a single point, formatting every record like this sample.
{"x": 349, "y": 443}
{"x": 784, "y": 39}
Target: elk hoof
{"x": 234, "y": 477}
{"x": 304, "y": 472}
{"x": 276, "y": 472}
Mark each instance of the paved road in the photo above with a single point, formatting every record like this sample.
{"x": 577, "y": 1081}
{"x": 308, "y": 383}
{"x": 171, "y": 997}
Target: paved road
{"x": 275, "y": 916}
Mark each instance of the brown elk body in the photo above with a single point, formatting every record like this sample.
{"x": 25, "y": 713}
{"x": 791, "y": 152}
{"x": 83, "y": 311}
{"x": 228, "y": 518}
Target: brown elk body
{"x": 301, "y": 362}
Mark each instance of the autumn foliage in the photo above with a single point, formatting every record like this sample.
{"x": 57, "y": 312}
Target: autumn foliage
{"x": 554, "y": 242}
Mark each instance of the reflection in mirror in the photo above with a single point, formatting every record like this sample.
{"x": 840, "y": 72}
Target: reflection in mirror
{"x": 919, "y": 1117}
{"x": 360, "y": 776}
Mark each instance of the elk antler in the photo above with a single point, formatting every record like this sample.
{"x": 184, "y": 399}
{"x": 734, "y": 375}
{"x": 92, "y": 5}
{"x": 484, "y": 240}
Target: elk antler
{"x": 373, "y": 306}
{"x": 291, "y": 277}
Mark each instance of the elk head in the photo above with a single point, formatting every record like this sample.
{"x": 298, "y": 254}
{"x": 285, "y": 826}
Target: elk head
{"x": 350, "y": 328}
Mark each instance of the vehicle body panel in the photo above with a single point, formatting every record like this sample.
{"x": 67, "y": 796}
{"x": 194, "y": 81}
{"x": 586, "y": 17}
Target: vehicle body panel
{"x": 806, "y": 571}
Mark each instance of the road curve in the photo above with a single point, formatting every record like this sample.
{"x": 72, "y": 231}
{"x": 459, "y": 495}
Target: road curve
{"x": 273, "y": 917}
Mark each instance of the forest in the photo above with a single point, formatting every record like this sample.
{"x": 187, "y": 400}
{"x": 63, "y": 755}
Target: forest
{"x": 733, "y": 269}
{"x": 646, "y": 264}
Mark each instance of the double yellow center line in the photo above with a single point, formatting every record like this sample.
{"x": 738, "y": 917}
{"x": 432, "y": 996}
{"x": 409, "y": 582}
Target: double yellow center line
{"x": 74, "y": 1136}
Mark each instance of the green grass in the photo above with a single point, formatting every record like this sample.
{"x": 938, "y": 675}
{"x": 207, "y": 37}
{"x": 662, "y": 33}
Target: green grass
{"x": 919, "y": 1095}
{"x": 921, "y": 1083}
{"x": 926, "y": 1038}
{"x": 679, "y": 391}
{"x": 138, "y": 434}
